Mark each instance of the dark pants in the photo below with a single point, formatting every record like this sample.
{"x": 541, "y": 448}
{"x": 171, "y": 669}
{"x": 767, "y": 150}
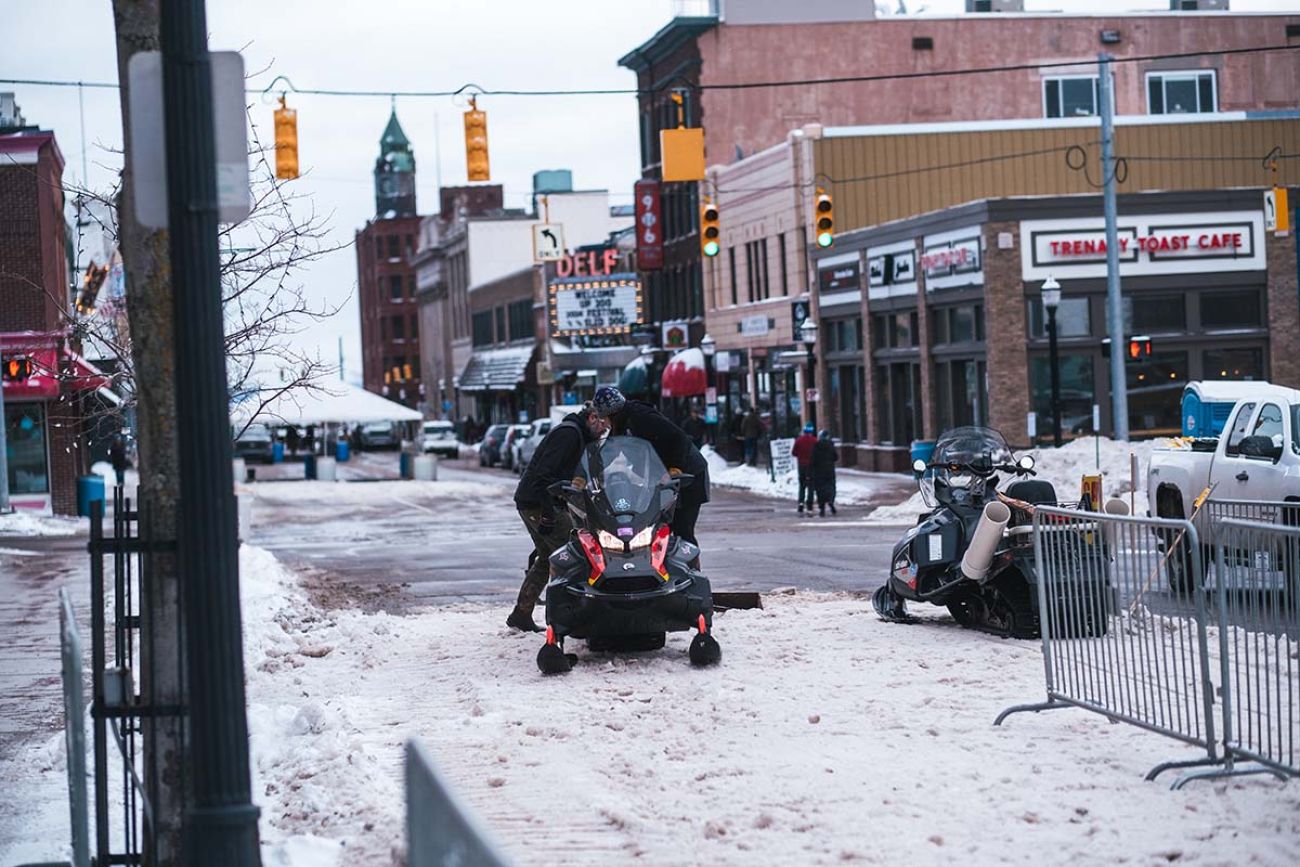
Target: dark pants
{"x": 806, "y": 487}
{"x": 685, "y": 515}
{"x": 544, "y": 545}
{"x": 751, "y": 451}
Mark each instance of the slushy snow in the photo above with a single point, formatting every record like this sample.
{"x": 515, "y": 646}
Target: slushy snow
{"x": 851, "y": 486}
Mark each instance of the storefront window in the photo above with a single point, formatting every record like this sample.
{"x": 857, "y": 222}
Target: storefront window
{"x": 1072, "y": 318}
{"x": 1076, "y": 395}
{"x": 1154, "y": 313}
{"x": 900, "y": 411}
{"x": 25, "y": 448}
{"x": 893, "y": 330}
{"x": 1233, "y": 364}
{"x": 1230, "y": 310}
{"x": 962, "y": 394}
{"x": 846, "y": 391}
{"x": 964, "y": 324}
{"x": 1155, "y": 389}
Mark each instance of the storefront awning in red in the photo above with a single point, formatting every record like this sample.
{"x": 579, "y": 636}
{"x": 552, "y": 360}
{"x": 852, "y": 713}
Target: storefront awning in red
{"x": 684, "y": 376}
{"x": 50, "y": 373}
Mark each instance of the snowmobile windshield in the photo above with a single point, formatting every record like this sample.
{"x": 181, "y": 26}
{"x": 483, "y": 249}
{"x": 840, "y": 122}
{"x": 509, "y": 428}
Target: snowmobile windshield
{"x": 624, "y": 476}
{"x": 979, "y": 449}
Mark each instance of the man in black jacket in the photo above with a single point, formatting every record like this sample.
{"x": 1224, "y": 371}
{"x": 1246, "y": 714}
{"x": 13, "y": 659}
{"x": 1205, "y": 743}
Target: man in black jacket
{"x": 670, "y": 442}
{"x": 555, "y": 460}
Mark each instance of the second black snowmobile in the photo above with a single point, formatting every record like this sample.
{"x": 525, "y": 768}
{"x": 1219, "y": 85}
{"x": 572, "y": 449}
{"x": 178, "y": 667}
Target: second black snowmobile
{"x": 974, "y": 552}
{"x": 624, "y": 579}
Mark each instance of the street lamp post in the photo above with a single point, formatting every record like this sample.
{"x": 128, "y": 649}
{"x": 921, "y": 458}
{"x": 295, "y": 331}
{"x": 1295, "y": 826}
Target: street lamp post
{"x": 1051, "y": 301}
{"x": 808, "y": 334}
{"x": 709, "y": 347}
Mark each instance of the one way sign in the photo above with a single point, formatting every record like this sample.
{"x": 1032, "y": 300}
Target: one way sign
{"x": 548, "y": 242}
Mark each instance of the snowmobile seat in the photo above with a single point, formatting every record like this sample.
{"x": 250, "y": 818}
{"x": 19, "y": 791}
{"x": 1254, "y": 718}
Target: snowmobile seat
{"x": 1035, "y": 491}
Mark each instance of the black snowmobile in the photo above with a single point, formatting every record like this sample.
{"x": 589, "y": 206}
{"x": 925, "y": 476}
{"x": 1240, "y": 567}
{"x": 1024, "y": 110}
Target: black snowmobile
{"x": 973, "y": 552}
{"x": 623, "y": 581}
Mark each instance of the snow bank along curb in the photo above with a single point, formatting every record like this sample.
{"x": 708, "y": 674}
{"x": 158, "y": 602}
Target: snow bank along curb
{"x": 851, "y": 486}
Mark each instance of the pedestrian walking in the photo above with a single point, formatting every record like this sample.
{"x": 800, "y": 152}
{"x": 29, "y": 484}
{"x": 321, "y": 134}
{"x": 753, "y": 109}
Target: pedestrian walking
{"x": 293, "y": 439}
{"x": 823, "y": 473}
{"x": 555, "y": 460}
{"x": 639, "y": 419}
{"x": 695, "y": 427}
{"x": 803, "y": 455}
{"x": 750, "y": 431}
{"x": 117, "y": 457}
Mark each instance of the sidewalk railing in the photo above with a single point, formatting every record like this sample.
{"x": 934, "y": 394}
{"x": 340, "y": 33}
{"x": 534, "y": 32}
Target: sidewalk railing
{"x": 1131, "y": 631}
{"x": 439, "y": 831}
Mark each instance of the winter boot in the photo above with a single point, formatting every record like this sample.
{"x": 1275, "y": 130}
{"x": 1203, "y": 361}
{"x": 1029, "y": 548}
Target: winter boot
{"x": 523, "y": 621}
{"x": 801, "y": 508}
{"x": 833, "y": 512}
{"x": 821, "y": 511}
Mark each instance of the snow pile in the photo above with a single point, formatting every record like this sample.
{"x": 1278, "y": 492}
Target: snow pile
{"x": 851, "y": 486}
{"x": 22, "y": 523}
{"x": 1063, "y": 467}
{"x": 361, "y": 493}
{"x": 867, "y": 727}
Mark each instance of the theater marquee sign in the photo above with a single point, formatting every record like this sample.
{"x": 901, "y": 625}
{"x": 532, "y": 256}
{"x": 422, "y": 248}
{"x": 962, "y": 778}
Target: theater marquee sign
{"x": 1155, "y": 244}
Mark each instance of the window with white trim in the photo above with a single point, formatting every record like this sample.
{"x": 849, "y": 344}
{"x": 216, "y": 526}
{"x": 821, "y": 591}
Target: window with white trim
{"x": 1071, "y": 96}
{"x": 1182, "y": 92}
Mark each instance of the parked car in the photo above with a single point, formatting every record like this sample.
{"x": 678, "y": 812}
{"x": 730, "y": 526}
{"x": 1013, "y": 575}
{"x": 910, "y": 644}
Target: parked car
{"x": 380, "y": 435}
{"x": 536, "y": 432}
{"x": 510, "y": 448}
{"x": 489, "y": 451}
{"x": 1257, "y": 457}
{"x": 439, "y": 438}
{"x": 255, "y": 444}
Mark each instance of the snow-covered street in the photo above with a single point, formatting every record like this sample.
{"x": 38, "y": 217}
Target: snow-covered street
{"x": 826, "y": 736}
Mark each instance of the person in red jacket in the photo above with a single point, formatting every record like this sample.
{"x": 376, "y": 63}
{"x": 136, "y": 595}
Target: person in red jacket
{"x": 803, "y": 453}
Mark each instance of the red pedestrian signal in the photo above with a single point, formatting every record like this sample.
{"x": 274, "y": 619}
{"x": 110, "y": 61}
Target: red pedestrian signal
{"x": 1139, "y": 348}
{"x": 17, "y": 368}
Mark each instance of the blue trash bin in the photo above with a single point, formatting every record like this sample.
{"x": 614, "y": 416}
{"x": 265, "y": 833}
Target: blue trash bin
{"x": 89, "y": 489}
{"x": 277, "y": 452}
{"x": 921, "y": 450}
{"x": 407, "y": 466}
{"x": 309, "y": 465}
{"x": 342, "y": 451}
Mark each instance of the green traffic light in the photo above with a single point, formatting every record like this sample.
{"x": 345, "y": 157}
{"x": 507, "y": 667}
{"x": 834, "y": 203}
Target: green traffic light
{"x": 711, "y": 248}
{"x": 825, "y": 239}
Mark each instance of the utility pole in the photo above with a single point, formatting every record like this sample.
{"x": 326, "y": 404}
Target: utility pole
{"x": 1114, "y": 306}
{"x": 4, "y": 457}
{"x": 221, "y": 821}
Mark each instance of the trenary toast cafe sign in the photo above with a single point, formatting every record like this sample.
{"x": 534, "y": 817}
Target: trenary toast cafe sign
{"x": 1155, "y": 244}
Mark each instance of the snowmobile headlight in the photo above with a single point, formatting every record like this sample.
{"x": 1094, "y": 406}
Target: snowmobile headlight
{"x": 642, "y": 539}
{"x": 609, "y": 540}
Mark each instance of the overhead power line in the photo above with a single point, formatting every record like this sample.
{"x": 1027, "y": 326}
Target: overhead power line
{"x": 474, "y": 89}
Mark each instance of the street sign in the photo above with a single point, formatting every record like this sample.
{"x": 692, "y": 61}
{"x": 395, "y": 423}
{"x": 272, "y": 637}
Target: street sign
{"x": 148, "y": 154}
{"x": 548, "y": 242}
{"x": 783, "y": 463}
{"x": 649, "y": 232}
{"x": 1277, "y": 214}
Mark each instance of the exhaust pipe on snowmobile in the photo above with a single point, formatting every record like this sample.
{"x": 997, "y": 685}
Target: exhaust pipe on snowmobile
{"x": 988, "y": 534}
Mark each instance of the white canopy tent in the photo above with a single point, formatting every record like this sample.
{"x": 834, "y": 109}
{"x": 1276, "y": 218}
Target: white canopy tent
{"x": 334, "y": 402}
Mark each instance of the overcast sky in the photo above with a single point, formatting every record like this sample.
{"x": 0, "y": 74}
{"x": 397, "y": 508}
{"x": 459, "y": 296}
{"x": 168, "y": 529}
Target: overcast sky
{"x": 392, "y": 45}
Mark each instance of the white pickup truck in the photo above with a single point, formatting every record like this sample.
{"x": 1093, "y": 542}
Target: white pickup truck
{"x": 1256, "y": 458}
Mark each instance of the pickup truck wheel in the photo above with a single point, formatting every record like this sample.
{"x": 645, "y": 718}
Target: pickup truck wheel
{"x": 1178, "y": 565}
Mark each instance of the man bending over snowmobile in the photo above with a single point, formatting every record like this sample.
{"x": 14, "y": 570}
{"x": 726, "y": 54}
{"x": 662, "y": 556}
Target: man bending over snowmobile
{"x": 670, "y": 442}
{"x": 555, "y": 460}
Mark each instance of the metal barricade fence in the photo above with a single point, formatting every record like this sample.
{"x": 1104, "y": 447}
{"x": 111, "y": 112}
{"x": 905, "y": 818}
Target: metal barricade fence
{"x": 1119, "y": 638}
{"x": 439, "y": 831}
{"x": 1255, "y": 593}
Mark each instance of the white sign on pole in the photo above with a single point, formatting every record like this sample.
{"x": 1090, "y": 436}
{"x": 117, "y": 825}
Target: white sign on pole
{"x": 148, "y": 154}
{"x": 548, "y": 242}
{"x": 783, "y": 462}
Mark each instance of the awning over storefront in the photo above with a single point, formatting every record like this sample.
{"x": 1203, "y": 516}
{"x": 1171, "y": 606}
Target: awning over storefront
{"x": 575, "y": 358}
{"x": 49, "y": 371}
{"x": 496, "y": 369}
{"x": 684, "y": 376}
{"x": 332, "y": 402}
{"x": 635, "y": 379}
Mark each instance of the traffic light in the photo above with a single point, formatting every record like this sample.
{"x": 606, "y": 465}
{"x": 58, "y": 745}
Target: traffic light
{"x": 476, "y": 143}
{"x": 710, "y": 231}
{"x": 824, "y": 209}
{"x": 17, "y": 368}
{"x": 1139, "y": 348}
{"x": 286, "y": 142}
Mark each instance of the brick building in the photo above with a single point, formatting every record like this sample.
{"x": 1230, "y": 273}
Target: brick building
{"x": 756, "y": 294}
{"x": 390, "y": 335}
{"x": 45, "y": 393}
{"x": 742, "y": 41}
